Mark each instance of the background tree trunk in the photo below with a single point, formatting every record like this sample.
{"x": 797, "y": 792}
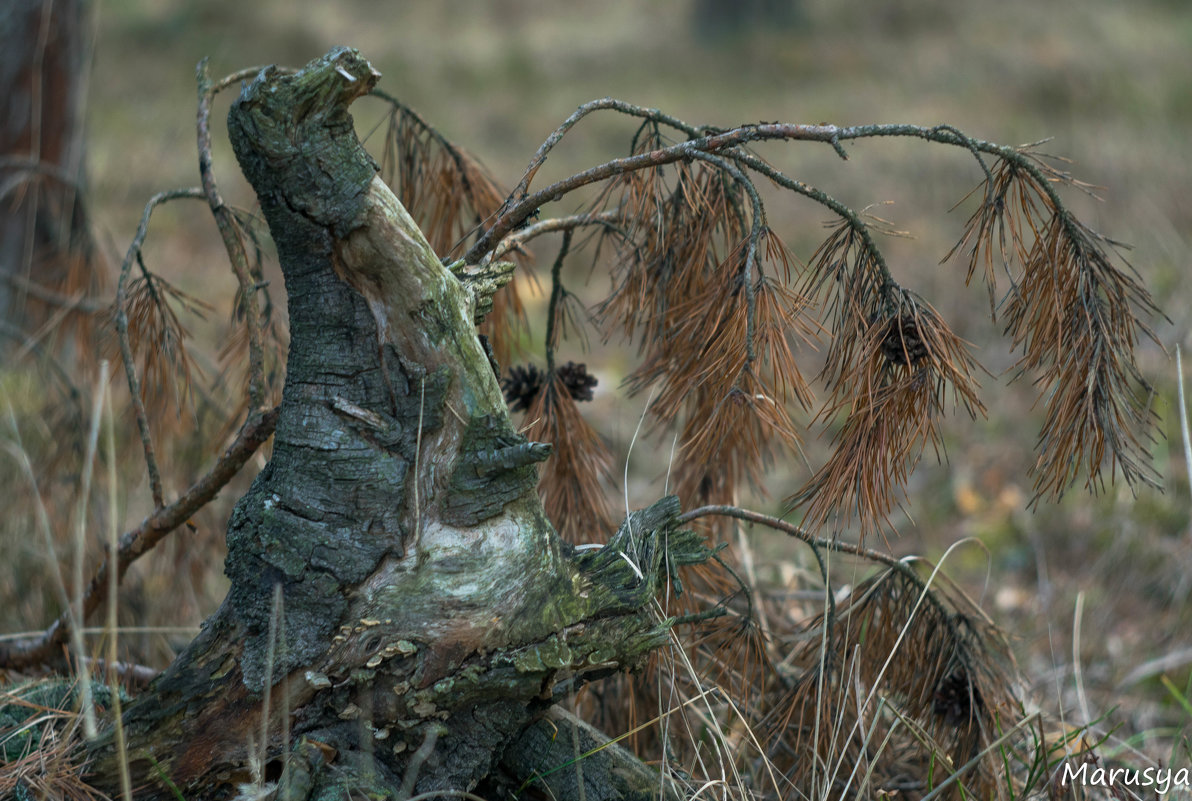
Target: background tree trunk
{"x": 45, "y": 237}
{"x": 400, "y": 605}
{"x": 721, "y": 20}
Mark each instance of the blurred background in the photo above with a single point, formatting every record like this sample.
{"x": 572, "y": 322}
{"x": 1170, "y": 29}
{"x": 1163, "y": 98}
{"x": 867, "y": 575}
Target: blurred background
{"x": 1109, "y": 83}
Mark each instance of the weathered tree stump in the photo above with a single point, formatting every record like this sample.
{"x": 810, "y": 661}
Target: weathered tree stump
{"x": 400, "y": 605}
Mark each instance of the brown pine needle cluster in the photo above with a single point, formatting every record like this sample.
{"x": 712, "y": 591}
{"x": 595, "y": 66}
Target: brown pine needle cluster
{"x": 1077, "y": 318}
{"x": 159, "y": 341}
{"x": 892, "y": 370}
{"x": 713, "y": 318}
{"x": 896, "y": 653}
{"x": 572, "y": 479}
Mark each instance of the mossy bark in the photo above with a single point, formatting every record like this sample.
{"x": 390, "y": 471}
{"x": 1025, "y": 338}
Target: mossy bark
{"x": 396, "y": 587}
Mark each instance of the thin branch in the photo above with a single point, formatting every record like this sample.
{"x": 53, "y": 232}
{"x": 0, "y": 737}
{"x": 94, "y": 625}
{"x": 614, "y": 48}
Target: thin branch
{"x": 520, "y": 209}
{"x": 133, "y": 544}
{"x": 854, "y": 219}
{"x": 969, "y": 143}
{"x": 518, "y": 239}
{"x": 556, "y": 295}
{"x": 836, "y": 545}
{"x": 520, "y": 205}
{"x": 229, "y": 231}
{"x": 130, "y": 370}
{"x": 132, "y": 674}
{"x": 606, "y": 103}
{"x": 257, "y": 428}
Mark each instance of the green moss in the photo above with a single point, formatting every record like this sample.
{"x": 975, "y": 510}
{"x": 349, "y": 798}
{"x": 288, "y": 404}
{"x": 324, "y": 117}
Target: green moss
{"x": 24, "y": 707}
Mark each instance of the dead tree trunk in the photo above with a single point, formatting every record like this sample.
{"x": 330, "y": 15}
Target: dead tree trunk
{"x": 400, "y": 605}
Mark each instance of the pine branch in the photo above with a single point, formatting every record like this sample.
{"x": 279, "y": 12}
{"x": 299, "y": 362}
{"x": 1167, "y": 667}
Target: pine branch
{"x": 126, "y": 351}
{"x": 1074, "y": 313}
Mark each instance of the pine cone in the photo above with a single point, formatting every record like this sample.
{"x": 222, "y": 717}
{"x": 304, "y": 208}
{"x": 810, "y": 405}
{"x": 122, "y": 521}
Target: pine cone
{"x": 956, "y": 698}
{"x": 577, "y": 380}
{"x": 902, "y": 344}
{"x": 522, "y": 385}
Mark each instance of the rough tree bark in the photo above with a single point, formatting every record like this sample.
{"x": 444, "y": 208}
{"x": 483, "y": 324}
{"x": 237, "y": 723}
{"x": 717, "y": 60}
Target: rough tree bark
{"x": 423, "y": 608}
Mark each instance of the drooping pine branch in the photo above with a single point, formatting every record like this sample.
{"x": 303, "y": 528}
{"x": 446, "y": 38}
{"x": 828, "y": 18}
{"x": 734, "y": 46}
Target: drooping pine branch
{"x": 121, "y": 315}
{"x": 894, "y": 367}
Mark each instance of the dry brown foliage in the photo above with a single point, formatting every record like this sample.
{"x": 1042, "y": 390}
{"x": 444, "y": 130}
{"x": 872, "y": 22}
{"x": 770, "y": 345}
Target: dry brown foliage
{"x": 160, "y": 341}
{"x": 574, "y": 478}
{"x": 894, "y": 654}
{"x": 50, "y": 767}
{"x": 1077, "y": 318}
{"x": 890, "y": 369}
{"x": 904, "y": 675}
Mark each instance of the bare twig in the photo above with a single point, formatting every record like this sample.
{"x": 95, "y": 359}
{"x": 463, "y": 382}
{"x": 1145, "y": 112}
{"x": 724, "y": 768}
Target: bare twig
{"x": 556, "y": 295}
{"x": 229, "y": 230}
{"x": 130, "y": 673}
{"x": 839, "y": 546}
{"x": 519, "y": 238}
{"x": 520, "y": 204}
{"x": 855, "y": 220}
